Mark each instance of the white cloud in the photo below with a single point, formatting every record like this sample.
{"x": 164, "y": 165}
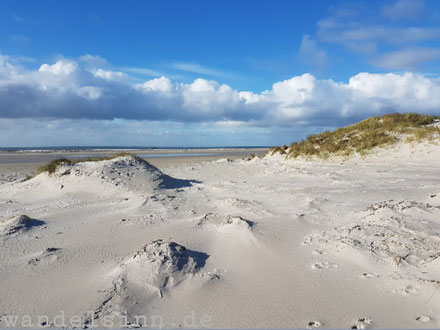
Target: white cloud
{"x": 162, "y": 84}
{"x": 360, "y": 29}
{"x": 65, "y": 132}
{"x": 93, "y": 60}
{"x": 409, "y": 59}
{"x": 61, "y": 67}
{"x": 143, "y": 72}
{"x": 404, "y": 9}
{"x": 311, "y": 54}
{"x": 68, "y": 90}
{"x": 295, "y": 90}
{"x": 111, "y": 75}
{"x": 197, "y": 68}
{"x": 351, "y": 34}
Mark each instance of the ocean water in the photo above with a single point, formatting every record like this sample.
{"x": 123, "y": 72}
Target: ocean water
{"x": 101, "y": 148}
{"x": 153, "y": 155}
{"x": 47, "y": 154}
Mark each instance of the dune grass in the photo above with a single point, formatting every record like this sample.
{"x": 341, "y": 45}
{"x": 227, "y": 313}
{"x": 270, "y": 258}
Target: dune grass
{"x": 362, "y": 137}
{"x": 52, "y": 166}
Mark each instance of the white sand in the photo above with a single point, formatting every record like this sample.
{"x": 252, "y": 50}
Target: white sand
{"x": 260, "y": 243}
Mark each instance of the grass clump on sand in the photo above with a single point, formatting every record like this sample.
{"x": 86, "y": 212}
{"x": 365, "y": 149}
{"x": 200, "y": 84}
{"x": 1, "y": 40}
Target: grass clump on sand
{"x": 52, "y": 166}
{"x": 97, "y": 159}
{"x": 278, "y": 150}
{"x": 362, "y": 137}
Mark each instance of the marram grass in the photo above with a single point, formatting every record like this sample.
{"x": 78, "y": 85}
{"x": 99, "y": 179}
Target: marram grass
{"x": 52, "y": 166}
{"x": 362, "y": 137}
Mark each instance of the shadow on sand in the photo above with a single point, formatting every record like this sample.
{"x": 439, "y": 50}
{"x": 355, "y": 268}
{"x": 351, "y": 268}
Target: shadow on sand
{"x": 169, "y": 182}
{"x": 22, "y": 223}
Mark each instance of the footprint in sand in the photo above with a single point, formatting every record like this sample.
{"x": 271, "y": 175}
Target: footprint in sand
{"x": 370, "y": 275}
{"x": 409, "y": 289}
{"x": 319, "y": 252}
{"x": 323, "y": 265}
{"x": 362, "y": 323}
{"x": 48, "y": 255}
{"x": 423, "y": 319}
{"x": 314, "y": 324}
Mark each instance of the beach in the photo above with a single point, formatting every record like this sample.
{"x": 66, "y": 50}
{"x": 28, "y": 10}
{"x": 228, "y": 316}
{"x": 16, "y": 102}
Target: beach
{"x": 224, "y": 241}
{"x": 19, "y": 163}
{"x": 220, "y": 164}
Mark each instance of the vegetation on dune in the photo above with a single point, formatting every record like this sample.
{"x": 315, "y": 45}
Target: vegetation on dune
{"x": 278, "y": 150}
{"x": 52, "y": 166}
{"x": 362, "y": 137}
{"x": 97, "y": 159}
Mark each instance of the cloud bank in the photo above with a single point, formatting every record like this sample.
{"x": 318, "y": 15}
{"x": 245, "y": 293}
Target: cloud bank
{"x": 70, "y": 89}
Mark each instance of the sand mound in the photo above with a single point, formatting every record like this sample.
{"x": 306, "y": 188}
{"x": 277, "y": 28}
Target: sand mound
{"x": 21, "y": 223}
{"x": 130, "y": 172}
{"x": 158, "y": 266}
{"x": 228, "y": 222}
{"x": 399, "y": 233}
{"x": 231, "y": 228}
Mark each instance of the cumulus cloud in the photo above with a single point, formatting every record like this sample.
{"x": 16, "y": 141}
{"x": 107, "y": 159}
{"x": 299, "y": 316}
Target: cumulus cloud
{"x": 111, "y": 75}
{"x": 62, "y": 67}
{"x": 67, "y": 89}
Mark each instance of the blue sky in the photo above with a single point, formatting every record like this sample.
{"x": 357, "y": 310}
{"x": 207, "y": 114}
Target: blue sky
{"x": 201, "y": 73}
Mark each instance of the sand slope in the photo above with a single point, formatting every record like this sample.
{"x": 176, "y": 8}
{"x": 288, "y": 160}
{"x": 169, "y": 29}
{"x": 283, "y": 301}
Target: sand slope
{"x": 260, "y": 243}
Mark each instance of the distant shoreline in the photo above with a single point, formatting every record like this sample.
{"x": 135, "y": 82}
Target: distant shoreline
{"x": 119, "y": 148}
{"x": 157, "y": 156}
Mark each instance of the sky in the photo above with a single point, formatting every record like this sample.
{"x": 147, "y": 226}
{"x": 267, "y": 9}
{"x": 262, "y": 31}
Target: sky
{"x": 210, "y": 73}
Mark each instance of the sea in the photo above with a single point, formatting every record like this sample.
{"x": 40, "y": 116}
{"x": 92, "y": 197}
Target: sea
{"x": 9, "y": 155}
{"x": 126, "y": 148}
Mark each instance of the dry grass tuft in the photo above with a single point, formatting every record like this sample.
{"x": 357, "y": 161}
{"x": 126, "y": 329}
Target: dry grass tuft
{"x": 52, "y": 166}
{"x": 362, "y": 137}
{"x": 277, "y": 150}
